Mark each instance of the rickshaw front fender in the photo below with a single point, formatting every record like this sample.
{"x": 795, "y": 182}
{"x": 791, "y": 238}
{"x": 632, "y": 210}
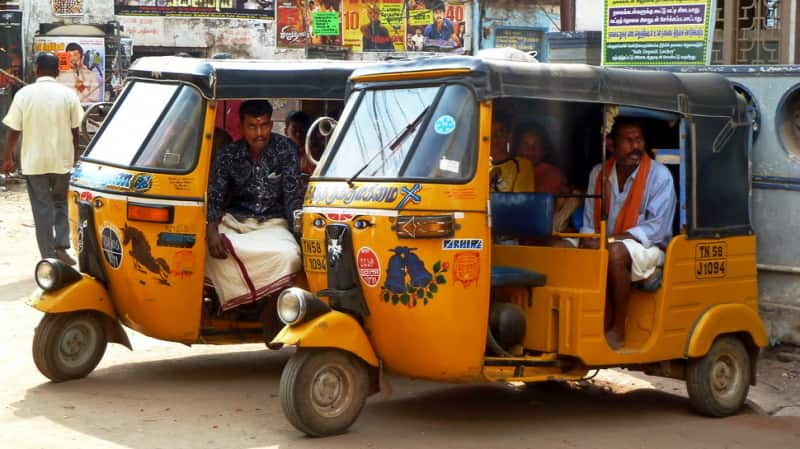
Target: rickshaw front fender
{"x": 85, "y": 294}
{"x": 331, "y": 330}
{"x": 725, "y": 319}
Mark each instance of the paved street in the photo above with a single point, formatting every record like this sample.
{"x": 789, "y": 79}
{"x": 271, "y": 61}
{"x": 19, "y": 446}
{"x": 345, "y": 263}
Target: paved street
{"x": 165, "y": 395}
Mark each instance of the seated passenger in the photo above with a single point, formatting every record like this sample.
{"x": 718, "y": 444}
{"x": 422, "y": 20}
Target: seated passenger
{"x": 508, "y": 174}
{"x": 253, "y": 189}
{"x": 531, "y": 142}
{"x": 640, "y": 206}
{"x": 296, "y": 128}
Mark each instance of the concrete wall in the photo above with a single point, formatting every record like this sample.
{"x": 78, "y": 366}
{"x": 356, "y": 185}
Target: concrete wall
{"x": 515, "y": 13}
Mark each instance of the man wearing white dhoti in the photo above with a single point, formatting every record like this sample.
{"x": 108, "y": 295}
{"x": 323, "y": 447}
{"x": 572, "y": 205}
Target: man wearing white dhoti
{"x": 253, "y": 190}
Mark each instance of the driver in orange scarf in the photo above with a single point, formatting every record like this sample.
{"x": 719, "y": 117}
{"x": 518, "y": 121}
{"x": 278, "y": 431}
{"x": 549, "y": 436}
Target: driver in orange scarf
{"x": 640, "y": 206}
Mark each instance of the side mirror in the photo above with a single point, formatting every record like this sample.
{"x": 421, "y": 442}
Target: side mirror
{"x": 326, "y": 125}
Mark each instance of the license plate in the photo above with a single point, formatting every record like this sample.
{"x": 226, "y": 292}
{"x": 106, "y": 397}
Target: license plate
{"x": 711, "y": 260}
{"x": 314, "y": 255}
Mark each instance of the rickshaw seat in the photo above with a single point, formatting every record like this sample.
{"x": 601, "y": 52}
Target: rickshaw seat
{"x": 518, "y": 277}
{"x": 522, "y": 214}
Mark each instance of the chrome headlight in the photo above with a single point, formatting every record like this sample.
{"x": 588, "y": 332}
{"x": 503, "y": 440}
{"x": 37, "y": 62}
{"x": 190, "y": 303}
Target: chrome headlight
{"x": 292, "y": 305}
{"x": 52, "y": 274}
{"x": 46, "y": 274}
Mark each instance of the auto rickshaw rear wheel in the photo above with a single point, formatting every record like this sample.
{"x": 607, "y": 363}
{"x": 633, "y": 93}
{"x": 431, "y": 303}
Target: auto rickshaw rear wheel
{"x": 719, "y": 381}
{"x": 69, "y": 345}
{"x": 323, "y": 390}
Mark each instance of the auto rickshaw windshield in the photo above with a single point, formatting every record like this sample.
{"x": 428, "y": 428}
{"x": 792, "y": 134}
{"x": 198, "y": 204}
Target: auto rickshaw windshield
{"x": 407, "y": 133}
{"x": 155, "y": 126}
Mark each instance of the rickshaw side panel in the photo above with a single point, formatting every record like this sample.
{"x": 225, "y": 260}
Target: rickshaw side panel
{"x": 725, "y": 319}
{"x": 154, "y": 270}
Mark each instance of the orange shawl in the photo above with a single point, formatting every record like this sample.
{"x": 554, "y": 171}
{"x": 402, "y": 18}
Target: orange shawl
{"x": 629, "y": 214}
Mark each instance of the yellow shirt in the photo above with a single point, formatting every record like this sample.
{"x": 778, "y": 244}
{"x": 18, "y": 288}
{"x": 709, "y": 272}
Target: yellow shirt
{"x": 512, "y": 175}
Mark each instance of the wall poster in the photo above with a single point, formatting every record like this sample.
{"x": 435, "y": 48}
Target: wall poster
{"x": 292, "y": 21}
{"x": 326, "y": 22}
{"x": 658, "y": 32}
{"x": 81, "y": 63}
{"x": 10, "y": 48}
{"x": 436, "y": 25}
{"x": 242, "y": 9}
{"x": 374, "y": 25}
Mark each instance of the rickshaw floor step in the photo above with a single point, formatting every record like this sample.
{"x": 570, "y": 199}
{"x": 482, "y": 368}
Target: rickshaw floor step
{"x": 519, "y": 361}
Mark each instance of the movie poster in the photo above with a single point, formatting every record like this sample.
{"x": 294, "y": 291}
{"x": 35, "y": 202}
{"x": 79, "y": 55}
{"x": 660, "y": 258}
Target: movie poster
{"x": 81, "y": 63}
{"x": 242, "y": 9}
{"x": 326, "y": 22}
{"x": 371, "y": 25}
{"x": 436, "y": 25}
{"x": 291, "y": 24}
{"x": 10, "y": 48}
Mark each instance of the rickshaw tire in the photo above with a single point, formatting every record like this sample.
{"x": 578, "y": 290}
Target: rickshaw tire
{"x": 700, "y": 374}
{"x": 296, "y": 394}
{"x": 47, "y": 344}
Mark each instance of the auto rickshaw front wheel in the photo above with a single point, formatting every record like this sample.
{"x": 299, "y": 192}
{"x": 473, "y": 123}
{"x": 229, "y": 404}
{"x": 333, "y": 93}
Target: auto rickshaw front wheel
{"x": 69, "y": 345}
{"x": 323, "y": 390}
{"x": 719, "y": 381}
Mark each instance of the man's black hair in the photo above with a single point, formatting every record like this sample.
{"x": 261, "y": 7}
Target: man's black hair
{"x": 299, "y": 117}
{"x": 437, "y": 5}
{"x": 619, "y": 121}
{"x": 46, "y": 63}
{"x": 74, "y": 46}
{"x": 255, "y": 108}
{"x": 504, "y": 118}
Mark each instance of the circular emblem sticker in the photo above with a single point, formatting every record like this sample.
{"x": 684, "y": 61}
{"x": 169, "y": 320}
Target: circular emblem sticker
{"x": 112, "y": 248}
{"x": 369, "y": 267}
{"x": 444, "y": 125}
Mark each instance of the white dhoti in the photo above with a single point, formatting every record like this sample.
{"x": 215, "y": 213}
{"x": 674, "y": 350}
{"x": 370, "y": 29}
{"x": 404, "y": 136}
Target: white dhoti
{"x": 262, "y": 259}
{"x": 644, "y": 261}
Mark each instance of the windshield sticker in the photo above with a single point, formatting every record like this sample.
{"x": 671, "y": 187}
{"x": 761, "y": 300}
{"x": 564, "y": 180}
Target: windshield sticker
{"x": 112, "y": 248}
{"x": 448, "y": 165}
{"x": 113, "y": 180}
{"x": 410, "y": 195}
{"x": 462, "y": 244}
{"x": 369, "y": 266}
{"x": 444, "y": 125}
{"x": 372, "y": 193}
{"x": 408, "y": 282}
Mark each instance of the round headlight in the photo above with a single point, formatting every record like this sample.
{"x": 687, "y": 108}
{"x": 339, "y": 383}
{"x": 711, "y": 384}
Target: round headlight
{"x": 292, "y": 305}
{"x": 46, "y": 274}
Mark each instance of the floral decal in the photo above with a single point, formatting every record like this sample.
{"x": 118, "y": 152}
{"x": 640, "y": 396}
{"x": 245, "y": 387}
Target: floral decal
{"x": 408, "y": 281}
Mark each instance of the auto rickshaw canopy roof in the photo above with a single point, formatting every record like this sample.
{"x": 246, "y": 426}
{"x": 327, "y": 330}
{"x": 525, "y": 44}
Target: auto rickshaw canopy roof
{"x": 686, "y": 93}
{"x": 716, "y": 154}
{"x": 243, "y": 78}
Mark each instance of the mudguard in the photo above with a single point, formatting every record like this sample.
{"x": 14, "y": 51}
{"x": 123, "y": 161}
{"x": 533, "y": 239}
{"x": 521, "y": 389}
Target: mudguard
{"x": 331, "y": 330}
{"x": 724, "y": 319}
{"x": 86, "y": 294}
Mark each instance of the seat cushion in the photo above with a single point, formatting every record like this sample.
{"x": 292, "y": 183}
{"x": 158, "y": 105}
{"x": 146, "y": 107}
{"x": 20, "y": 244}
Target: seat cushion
{"x": 517, "y": 277}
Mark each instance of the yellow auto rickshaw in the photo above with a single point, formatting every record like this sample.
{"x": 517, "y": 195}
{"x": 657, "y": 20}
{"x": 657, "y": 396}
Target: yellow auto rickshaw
{"x": 414, "y": 267}
{"x": 137, "y": 210}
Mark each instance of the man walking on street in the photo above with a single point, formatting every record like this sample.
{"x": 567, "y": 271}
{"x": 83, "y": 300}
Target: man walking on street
{"x": 49, "y": 114}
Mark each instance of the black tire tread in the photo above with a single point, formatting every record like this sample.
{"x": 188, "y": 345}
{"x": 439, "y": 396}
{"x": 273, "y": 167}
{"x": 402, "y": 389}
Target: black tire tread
{"x": 44, "y": 345}
{"x": 697, "y": 385}
{"x": 293, "y": 385}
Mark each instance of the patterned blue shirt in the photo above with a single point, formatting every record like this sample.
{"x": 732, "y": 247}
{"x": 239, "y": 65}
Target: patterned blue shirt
{"x": 269, "y": 187}
{"x": 654, "y": 226}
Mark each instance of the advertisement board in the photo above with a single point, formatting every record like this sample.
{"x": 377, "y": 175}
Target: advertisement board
{"x": 81, "y": 62}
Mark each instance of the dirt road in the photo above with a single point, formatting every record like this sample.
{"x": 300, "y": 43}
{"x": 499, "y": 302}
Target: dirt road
{"x": 165, "y": 395}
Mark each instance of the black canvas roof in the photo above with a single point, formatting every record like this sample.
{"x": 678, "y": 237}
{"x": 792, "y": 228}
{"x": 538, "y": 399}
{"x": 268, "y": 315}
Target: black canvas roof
{"x": 240, "y": 78}
{"x": 692, "y": 93}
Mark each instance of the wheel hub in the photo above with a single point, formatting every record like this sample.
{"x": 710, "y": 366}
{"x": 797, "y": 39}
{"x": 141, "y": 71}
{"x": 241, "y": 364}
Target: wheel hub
{"x": 75, "y": 344}
{"x": 330, "y": 391}
{"x": 724, "y": 380}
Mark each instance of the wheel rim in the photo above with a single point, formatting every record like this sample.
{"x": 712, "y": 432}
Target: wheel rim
{"x": 77, "y": 344}
{"x": 726, "y": 378}
{"x": 331, "y": 391}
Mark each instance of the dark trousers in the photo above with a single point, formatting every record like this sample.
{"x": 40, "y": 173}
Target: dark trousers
{"x": 48, "y": 195}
